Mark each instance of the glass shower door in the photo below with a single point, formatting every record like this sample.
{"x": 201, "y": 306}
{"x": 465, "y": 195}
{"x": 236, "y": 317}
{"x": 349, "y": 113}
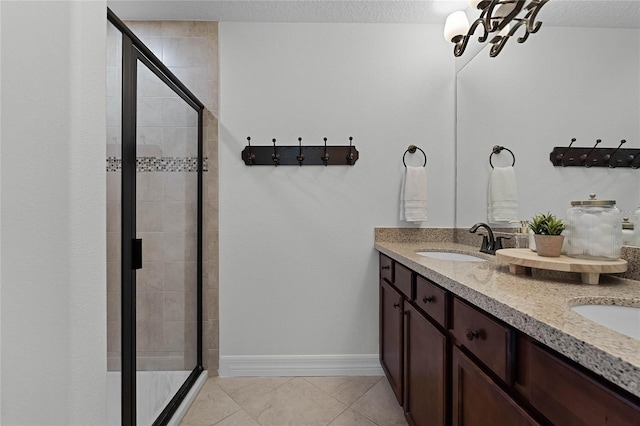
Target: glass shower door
{"x": 167, "y": 223}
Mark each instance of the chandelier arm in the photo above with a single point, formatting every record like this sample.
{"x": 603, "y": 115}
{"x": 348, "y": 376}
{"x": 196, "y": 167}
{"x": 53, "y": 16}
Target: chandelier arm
{"x": 534, "y": 8}
{"x": 498, "y": 42}
{"x": 461, "y": 45}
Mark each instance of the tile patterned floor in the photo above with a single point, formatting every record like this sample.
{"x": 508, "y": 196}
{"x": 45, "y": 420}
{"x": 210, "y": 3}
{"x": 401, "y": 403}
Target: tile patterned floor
{"x": 296, "y": 401}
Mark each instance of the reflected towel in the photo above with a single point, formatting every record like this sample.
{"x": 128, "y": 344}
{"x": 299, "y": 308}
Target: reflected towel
{"x": 503, "y": 195}
{"x": 413, "y": 195}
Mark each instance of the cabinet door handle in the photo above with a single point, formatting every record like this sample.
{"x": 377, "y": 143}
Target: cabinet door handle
{"x": 386, "y": 267}
{"x": 472, "y": 334}
{"x": 396, "y": 305}
{"x": 428, "y": 299}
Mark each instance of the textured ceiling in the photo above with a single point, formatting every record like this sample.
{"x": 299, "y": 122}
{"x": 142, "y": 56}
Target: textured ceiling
{"x": 578, "y": 13}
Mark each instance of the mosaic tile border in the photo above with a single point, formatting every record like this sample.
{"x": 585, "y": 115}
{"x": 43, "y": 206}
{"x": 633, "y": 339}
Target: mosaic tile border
{"x": 160, "y": 164}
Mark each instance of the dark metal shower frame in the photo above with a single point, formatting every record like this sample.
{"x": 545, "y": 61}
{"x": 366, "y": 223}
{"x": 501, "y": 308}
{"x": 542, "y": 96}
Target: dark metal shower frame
{"x": 133, "y": 50}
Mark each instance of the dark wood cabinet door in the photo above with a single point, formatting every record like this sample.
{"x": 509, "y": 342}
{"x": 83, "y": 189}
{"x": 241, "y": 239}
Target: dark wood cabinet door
{"x": 425, "y": 370}
{"x": 477, "y": 400}
{"x": 391, "y": 342}
{"x": 567, "y": 396}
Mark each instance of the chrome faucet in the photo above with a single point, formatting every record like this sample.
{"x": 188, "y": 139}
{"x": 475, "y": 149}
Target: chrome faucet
{"x": 489, "y": 243}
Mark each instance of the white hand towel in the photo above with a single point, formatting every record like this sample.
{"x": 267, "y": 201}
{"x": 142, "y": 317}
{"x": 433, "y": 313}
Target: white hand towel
{"x": 413, "y": 195}
{"x": 503, "y": 195}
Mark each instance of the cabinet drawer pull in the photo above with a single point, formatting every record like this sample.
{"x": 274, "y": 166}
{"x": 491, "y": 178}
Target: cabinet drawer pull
{"x": 428, "y": 299}
{"x": 472, "y": 334}
{"x": 386, "y": 267}
{"x": 396, "y": 305}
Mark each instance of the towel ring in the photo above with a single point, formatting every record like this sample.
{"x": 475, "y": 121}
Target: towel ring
{"x": 496, "y": 150}
{"x": 412, "y": 149}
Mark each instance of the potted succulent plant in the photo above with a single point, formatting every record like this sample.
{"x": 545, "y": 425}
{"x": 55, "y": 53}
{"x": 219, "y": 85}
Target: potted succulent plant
{"x": 547, "y": 229}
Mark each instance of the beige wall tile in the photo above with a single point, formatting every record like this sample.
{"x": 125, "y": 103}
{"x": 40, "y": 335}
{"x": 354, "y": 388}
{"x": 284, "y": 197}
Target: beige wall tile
{"x": 180, "y": 246}
{"x": 181, "y": 186}
{"x": 149, "y": 216}
{"x": 150, "y": 335}
{"x": 150, "y": 186}
{"x": 113, "y": 247}
{"x": 180, "y": 141}
{"x": 145, "y": 29}
{"x": 152, "y": 246}
{"x": 180, "y": 276}
{"x": 151, "y": 277}
{"x": 179, "y": 217}
{"x": 176, "y": 112}
{"x": 113, "y": 276}
{"x": 149, "y": 307}
{"x": 186, "y": 52}
{"x": 114, "y": 186}
{"x": 113, "y": 216}
{"x": 189, "y": 28}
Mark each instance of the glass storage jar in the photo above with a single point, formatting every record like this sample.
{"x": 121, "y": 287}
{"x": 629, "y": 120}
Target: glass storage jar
{"x": 594, "y": 229}
{"x": 628, "y": 236}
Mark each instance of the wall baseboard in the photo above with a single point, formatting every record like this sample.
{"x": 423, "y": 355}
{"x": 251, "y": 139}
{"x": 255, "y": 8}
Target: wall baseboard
{"x": 300, "y": 365}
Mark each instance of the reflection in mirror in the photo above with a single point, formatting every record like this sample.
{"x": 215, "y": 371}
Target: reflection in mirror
{"x": 566, "y": 82}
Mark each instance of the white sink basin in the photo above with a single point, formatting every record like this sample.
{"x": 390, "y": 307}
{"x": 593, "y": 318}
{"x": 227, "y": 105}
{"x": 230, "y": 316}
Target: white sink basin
{"x": 446, "y": 255}
{"x": 623, "y": 319}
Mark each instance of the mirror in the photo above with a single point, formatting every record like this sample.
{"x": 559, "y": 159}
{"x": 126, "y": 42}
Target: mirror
{"x": 563, "y": 82}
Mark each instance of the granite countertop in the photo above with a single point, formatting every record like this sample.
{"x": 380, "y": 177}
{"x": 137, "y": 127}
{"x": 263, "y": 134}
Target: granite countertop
{"x": 538, "y": 306}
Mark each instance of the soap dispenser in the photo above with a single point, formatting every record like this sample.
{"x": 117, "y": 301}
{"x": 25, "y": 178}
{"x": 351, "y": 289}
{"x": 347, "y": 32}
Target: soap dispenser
{"x": 521, "y": 235}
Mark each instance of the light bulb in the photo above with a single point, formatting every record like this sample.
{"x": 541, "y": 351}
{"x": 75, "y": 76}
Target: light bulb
{"x": 457, "y": 24}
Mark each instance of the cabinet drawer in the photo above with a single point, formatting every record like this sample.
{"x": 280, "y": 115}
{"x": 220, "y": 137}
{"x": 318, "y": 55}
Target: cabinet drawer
{"x": 484, "y": 337}
{"x": 403, "y": 279}
{"x": 386, "y": 268}
{"x": 432, "y": 300}
{"x": 566, "y": 396}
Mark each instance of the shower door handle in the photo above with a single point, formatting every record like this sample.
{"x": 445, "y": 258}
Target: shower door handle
{"x": 136, "y": 253}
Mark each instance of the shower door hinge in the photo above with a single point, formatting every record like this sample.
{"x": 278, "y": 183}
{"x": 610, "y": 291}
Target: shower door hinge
{"x": 137, "y": 253}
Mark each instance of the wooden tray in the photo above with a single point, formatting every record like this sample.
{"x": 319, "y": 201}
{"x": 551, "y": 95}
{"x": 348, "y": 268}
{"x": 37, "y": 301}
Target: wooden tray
{"x": 521, "y": 259}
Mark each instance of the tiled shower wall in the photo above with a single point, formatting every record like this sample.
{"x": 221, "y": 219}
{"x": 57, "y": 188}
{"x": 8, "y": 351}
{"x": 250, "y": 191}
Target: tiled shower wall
{"x": 166, "y": 198}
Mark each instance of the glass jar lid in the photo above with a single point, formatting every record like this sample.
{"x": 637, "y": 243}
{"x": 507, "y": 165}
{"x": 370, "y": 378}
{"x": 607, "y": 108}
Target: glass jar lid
{"x": 593, "y": 202}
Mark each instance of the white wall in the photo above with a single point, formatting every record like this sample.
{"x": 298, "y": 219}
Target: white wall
{"x": 53, "y": 213}
{"x": 297, "y": 264}
{"x": 561, "y": 83}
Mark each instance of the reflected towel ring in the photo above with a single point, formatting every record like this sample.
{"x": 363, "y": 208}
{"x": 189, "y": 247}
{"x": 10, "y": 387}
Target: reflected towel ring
{"x": 412, "y": 149}
{"x": 497, "y": 149}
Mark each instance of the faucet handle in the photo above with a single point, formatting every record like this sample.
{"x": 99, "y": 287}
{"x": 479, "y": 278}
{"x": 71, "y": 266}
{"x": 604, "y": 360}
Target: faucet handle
{"x": 498, "y": 243}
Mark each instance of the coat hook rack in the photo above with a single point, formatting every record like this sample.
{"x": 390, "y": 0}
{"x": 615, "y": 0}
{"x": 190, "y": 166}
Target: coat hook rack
{"x": 299, "y": 155}
{"x": 594, "y": 156}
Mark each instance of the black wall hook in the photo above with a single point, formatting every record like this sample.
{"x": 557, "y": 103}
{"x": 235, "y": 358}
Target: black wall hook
{"x": 350, "y": 156}
{"x": 325, "y": 157}
{"x": 588, "y": 164}
{"x": 607, "y": 157}
{"x": 300, "y": 156}
{"x": 275, "y": 156}
{"x": 561, "y": 155}
{"x": 251, "y": 157}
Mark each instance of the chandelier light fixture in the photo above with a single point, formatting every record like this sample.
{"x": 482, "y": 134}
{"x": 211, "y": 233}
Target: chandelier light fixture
{"x": 500, "y": 17}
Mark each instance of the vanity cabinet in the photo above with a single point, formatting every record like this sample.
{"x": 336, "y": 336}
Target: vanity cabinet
{"x": 450, "y": 362}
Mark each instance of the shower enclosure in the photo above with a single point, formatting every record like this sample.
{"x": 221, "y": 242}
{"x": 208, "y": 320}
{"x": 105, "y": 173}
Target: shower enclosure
{"x": 154, "y": 233}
